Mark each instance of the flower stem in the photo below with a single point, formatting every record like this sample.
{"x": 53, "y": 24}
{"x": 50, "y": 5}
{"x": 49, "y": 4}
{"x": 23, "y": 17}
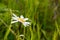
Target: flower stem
{"x": 7, "y": 33}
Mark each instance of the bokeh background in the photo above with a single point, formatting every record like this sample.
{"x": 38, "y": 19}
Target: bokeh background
{"x": 44, "y": 16}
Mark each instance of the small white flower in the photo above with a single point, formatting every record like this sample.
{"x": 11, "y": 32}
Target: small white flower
{"x": 21, "y": 35}
{"x": 20, "y": 19}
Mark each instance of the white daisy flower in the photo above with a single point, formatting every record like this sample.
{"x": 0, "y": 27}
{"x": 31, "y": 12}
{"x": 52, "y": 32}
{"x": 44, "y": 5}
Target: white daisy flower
{"x": 20, "y": 19}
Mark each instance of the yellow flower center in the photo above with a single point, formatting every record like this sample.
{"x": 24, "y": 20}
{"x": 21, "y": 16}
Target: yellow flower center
{"x": 21, "y": 20}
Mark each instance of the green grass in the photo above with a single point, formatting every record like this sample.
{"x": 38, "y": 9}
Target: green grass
{"x": 43, "y": 14}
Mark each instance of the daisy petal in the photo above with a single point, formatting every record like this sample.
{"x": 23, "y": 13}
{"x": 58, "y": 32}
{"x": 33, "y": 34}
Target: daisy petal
{"x": 13, "y": 22}
{"x": 21, "y": 16}
{"x": 14, "y": 18}
{"x": 14, "y": 15}
{"x": 25, "y": 18}
{"x": 26, "y": 24}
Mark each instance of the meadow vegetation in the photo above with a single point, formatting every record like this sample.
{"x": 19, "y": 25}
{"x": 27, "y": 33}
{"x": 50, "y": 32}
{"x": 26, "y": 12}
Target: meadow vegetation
{"x": 44, "y": 17}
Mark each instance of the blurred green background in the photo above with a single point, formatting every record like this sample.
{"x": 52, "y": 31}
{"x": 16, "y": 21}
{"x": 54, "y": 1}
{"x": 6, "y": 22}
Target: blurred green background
{"x": 44, "y": 16}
